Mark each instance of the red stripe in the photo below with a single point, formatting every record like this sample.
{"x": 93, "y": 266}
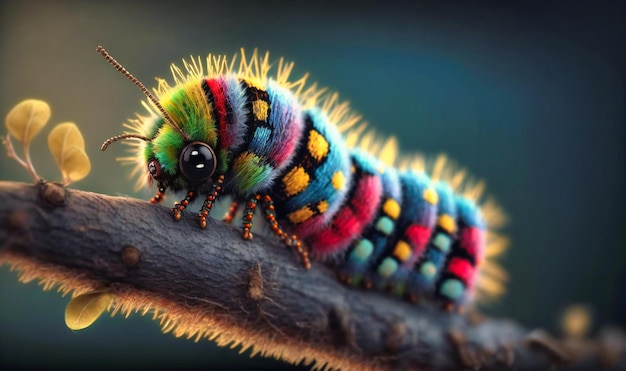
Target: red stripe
{"x": 348, "y": 223}
{"x": 219, "y": 107}
{"x": 418, "y": 236}
{"x": 473, "y": 241}
{"x": 462, "y": 269}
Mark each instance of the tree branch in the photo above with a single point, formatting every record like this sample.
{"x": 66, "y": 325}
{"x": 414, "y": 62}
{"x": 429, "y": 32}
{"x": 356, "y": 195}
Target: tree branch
{"x": 211, "y": 283}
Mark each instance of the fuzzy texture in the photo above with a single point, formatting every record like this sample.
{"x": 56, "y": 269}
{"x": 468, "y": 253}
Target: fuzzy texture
{"x": 378, "y": 218}
{"x": 307, "y": 197}
{"x": 423, "y": 277}
{"x": 395, "y": 263}
{"x": 356, "y": 213}
{"x": 458, "y": 278}
{"x": 366, "y": 251}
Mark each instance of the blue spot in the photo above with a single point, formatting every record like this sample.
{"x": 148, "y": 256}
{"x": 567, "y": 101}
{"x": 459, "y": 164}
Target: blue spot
{"x": 385, "y": 225}
{"x": 362, "y": 251}
{"x": 452, "y": 289}
{"x": 442, "y": 241}
{"x": 387, "y": 267}
{"x": 428, "y": 270}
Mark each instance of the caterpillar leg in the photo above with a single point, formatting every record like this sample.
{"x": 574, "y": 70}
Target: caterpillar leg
{"x": 230, "y": 214}
{"x": 210, "y": 199}
{"x": 180, "y": 206}
{"x": 290, "y": 241}
{"x": 159, "y": 197}
{"x": 248, "y": 215}
{"x": 270, "y": 216}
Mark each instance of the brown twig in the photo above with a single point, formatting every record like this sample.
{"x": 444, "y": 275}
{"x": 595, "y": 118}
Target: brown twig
{"x": 201, "y": 283}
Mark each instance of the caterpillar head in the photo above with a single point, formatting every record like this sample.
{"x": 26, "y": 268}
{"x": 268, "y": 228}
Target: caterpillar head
{"x": 180, "y": 152}
{"x": 195, "y": 167}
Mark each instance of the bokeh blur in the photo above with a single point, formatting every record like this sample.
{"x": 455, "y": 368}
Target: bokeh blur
{"x": 527, "y": 95}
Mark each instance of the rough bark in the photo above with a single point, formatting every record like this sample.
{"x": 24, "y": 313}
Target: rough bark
{"x": 202, "y": 283}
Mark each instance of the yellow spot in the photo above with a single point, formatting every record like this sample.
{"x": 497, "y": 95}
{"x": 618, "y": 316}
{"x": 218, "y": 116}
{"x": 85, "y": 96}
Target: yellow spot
{"x": 296, "y": 181}
{"x": 260, "y": 107}
{"x": 318, "y": 146}
{"x": 381, "y": 169}
{"x": 322, "y": 206}
{"x": 300, "y": 215}
{"x": 431, "y": 196}
{"x": 402, "y": 250}
{"x": 446, "y": 222}
{"x": 353, "y": 169}
{"x": 339, "y": 180}
{"x": 391, "y": 208}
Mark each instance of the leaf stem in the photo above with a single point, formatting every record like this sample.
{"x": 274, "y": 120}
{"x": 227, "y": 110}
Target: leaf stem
{"x": 28, "y": 165}
{"x": 11, "y": 151}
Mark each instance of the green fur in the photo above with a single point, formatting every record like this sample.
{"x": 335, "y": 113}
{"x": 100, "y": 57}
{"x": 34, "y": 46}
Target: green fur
{"x": 167, "y": 146}
{"x": 188, "y": 107}
{"x": 148, "y": 152}
{"x": 153, "y": 129}
{"x": 249, "y": 169}
{"x": 223, "y": 161}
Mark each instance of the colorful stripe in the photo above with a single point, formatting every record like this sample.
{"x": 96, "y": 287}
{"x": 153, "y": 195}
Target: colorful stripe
{"x": 423, "y": 278}
{"x": 238, "y": 113}
{"x": 414, "y": 226}
{"x": 314, "y": 185}
{"x": 458, "y": 277}
{"x": 215, "y": 94}
{"x": 285, "y": 120}
{"x": 366, "y": 251}
{"x": 356, "y": 212}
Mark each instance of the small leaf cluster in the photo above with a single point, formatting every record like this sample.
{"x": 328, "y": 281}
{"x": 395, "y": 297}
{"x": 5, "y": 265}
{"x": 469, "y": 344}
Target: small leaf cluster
{"x": 65, "y": 141}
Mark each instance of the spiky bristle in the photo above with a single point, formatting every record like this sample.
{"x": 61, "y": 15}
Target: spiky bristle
{"x": 198, "y": 321}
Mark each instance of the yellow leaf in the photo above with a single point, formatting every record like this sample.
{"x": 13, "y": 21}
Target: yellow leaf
{"x": 76, "y": 164}
{"x": 68, "y": 148}
{"x": 85, "y": 309}
{"x": 27, "y": 118}
{"x": 63, "y": 136}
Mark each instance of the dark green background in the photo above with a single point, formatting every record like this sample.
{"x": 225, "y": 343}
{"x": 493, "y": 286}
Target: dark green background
{"x": 527, "y": 95}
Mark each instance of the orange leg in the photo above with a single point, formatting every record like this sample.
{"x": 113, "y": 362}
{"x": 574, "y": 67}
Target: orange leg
{"x": 159, "y": 197}
{"x": 230, "y": 214}
{"x": 180, "y": 206}
{"x": 210, "y": 199}
{"x": 290, "y": 241}
{"x": 248, "y": 215}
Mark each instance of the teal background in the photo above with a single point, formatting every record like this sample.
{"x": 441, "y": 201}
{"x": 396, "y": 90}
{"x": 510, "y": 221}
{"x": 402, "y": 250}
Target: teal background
{"x": 527, "y": 95}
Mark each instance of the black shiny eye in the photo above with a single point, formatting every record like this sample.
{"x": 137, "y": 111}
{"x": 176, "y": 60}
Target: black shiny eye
{"x": 154, "y": 168}
{"x": 197, "y": 162}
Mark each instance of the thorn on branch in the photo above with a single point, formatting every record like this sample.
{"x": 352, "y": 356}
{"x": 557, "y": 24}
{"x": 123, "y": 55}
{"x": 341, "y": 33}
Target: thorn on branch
{"x": 130, "y": 256}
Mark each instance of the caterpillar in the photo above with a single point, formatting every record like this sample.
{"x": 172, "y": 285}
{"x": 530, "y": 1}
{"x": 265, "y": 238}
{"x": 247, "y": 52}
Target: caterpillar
{"x": 329, "y": 189}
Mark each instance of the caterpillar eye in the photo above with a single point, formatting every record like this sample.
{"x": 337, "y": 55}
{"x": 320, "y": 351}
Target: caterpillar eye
{"x": 154, "y": 168}
{"x": 197, "y": 162}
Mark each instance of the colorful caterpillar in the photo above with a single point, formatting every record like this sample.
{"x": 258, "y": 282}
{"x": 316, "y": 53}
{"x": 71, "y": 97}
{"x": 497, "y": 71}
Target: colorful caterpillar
{"x": 325, "y": 187}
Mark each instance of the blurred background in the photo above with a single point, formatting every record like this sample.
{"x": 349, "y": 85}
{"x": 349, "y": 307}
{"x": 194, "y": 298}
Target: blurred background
{"x": 527, "y": 95}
